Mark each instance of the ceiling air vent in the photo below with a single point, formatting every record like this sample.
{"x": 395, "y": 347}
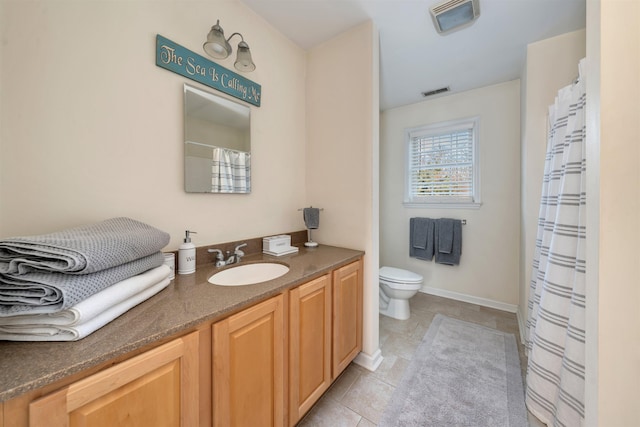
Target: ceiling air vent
{"x": 453, "y": 14}
{"x": 435, "y": 92}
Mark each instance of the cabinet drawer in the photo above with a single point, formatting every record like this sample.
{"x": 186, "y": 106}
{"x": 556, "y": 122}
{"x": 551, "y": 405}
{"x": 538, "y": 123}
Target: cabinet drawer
{"x": 159, "y": 388}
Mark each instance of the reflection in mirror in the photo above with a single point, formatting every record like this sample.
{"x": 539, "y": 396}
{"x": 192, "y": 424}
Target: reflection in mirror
{"x": 217, "y": 144}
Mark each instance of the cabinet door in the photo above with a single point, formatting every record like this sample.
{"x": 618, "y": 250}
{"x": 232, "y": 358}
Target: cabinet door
{"x": 156, "y": 388}
{"x": 347, "y": 315}
{"x": 248, "y": 367}
{"x": 309, "y": 345}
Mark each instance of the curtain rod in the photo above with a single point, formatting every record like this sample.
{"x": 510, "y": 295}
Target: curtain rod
{"x": 215, "y": 146}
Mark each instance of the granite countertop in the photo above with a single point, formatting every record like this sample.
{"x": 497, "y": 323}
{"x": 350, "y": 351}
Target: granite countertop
{"x": 187, "y": 302}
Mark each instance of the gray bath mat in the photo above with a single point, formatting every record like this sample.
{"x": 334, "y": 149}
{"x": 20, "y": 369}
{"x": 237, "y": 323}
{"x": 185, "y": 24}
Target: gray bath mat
{"x": 461, "y": 374}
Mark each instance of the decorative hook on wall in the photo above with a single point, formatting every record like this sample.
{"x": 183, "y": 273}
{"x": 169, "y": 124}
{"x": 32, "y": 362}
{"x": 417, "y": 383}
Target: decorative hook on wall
{"x": 217, "y": 46}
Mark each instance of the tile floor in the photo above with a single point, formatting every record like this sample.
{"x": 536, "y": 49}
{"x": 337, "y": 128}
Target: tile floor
{"x": 358, "y": 397}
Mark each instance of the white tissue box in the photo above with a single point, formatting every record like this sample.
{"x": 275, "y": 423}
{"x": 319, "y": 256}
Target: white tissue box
{"x": 276, "y": 244}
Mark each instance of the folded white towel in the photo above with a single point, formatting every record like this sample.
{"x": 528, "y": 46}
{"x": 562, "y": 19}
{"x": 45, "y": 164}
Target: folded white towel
{"x": 96, "y": 303}
{"x": 84, "y": 318}
{"x": 51, "y": 292}
{"x": 285, "y": 250}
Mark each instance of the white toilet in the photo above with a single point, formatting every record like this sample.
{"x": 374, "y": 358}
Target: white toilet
{"x": 396, "y": 287}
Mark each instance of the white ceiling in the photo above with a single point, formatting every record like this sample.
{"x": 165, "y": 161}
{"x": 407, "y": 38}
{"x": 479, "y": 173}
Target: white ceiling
{"x": 414, "y": 58}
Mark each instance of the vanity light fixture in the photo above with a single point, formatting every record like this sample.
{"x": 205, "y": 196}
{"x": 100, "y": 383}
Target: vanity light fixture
{"x": 217, "y": 46}
{"x": 454, "y": 14}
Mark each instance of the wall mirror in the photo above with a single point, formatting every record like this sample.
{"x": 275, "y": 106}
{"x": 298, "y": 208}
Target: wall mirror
{"x": 217, "y": 143}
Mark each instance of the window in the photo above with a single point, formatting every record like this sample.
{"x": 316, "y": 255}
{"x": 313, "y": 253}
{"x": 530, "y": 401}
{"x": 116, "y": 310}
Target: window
{"x": 442, "y": 165}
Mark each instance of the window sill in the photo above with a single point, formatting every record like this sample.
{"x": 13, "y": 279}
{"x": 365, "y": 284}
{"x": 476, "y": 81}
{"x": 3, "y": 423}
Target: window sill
{"x": 443, "y": 205}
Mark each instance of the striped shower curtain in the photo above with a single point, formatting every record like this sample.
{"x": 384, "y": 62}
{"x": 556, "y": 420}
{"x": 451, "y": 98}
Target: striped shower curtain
{"x": 555, "y": 335}
{"x": 230, "y": 171}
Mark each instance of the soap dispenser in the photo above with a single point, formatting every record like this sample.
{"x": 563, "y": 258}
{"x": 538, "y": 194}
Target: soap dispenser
{"x": 187, "y": 255}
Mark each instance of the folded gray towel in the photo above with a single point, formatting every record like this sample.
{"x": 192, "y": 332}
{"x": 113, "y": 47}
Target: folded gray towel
{"x": 82, "y": 250}
{"x": 50, "y": 292}
{"x": 311, "y": 218}
{"x": 421, "y": 230}
{"x": 455, "y": 239}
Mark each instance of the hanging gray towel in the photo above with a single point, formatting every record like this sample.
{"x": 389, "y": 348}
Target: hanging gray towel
{"x": 448, "y": 236}
{"x": 422, "y": 230}
{"x": 421, "y": 238}
{"x": 445, "y": 231}
{"x": 311, "y": 218}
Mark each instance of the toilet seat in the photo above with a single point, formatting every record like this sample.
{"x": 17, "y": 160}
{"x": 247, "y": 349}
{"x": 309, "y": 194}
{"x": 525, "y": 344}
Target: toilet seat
{"x": 401, "y": 286}
{"x": 399, "y": 276}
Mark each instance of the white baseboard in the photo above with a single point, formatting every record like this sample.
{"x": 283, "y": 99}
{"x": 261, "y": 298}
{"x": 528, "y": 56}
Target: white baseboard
{"x": 521, "y": 326}
{"x": 370, "y": 362}
{"x": 511, "y": 308}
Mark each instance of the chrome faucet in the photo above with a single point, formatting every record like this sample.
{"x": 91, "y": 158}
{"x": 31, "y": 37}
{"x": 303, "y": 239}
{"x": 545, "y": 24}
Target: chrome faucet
{"x": 237, "y": 253}
{"x": 219, "y": 257}
{"x": 232, "y": 258}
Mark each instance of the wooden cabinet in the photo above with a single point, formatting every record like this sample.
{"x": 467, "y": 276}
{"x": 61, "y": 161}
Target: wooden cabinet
{"x": 325, "y": 334}
{"x": 248, "y": 366}
{"x": 158, "y": 388}
{"x": 263, "y": 366}
{"x": 309, "y": 345}
{"x": 347, "y": 315}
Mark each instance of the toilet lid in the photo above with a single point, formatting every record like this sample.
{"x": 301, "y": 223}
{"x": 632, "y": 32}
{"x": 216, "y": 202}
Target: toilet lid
{"x": 399, "y": 275}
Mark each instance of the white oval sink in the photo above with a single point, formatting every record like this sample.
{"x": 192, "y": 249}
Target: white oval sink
{"x": 249, "y": 274}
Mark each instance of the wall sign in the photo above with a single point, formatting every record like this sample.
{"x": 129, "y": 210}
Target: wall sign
{"x": 189, "y": 64}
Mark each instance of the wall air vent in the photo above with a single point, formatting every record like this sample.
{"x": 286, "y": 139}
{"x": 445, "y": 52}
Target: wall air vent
{"x": 454, "y": 14}
{"x": 436, "y": 91}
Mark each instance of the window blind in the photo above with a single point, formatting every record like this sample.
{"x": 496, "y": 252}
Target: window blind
{"x": 441, "y": 165}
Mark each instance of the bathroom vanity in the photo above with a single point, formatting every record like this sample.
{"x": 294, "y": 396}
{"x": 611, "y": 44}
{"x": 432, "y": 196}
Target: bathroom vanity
{"x": 198, "y": 354}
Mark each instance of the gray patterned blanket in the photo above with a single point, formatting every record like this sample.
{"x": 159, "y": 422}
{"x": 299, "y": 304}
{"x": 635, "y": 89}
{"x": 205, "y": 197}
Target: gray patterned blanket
{"x": 82, "y": 250}
{"x": 51, "y": 272}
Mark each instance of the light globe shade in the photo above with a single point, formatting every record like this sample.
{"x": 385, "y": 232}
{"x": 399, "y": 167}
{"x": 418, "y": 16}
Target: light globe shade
{"x": 243, "y": 60}
{"x": 216, "y": 45}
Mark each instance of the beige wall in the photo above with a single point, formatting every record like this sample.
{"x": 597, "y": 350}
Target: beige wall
{"x": 92, "y": 128}
{"x": 488, "y": 271}
{"x": 341, "y": 162}
{"x": 613, "y": 183}
{"x": 551, "y": 65}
